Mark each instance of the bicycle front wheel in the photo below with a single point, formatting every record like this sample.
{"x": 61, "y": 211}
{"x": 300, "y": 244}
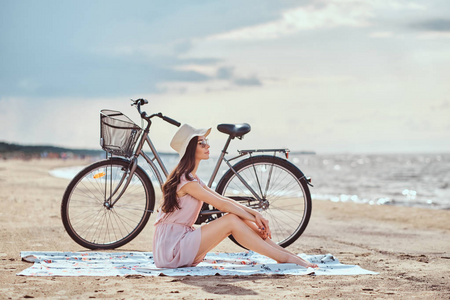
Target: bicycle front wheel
{"x": 282, "y": 188}
{"x": 87, "y": 210}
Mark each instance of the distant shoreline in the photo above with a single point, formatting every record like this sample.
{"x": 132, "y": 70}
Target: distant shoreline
{"x": 18, "y": 151}
{"x": 12, "y": 150}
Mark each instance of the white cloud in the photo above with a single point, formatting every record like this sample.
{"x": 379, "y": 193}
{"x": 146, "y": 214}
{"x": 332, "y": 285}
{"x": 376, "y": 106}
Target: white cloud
{"x": 182, "y": 87}
{"x": 396, "y": 5}
{"x": 208, "y": 70}
{"x": 319, "y": 15}
{"x": 428, "y": 35}
{"x": 324, "y": 15}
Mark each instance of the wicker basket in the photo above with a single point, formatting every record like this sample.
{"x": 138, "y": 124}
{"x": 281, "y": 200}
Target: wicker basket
{"x": 118, "y": 133}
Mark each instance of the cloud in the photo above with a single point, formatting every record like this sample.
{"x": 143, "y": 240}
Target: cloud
{"x": 437, "y": 28}
{"x": 319, "y": 15}
{"x": 95, "y": 74}
{"x": 227, "y": 73}
{"x": 90, "y": 50}
{"x": 436, "y": 25}
{"x": 249, "y": 81}
{"x": 182, "y": 47}
{"x": 220, "y": 78}
{"x": 444, "y": 105}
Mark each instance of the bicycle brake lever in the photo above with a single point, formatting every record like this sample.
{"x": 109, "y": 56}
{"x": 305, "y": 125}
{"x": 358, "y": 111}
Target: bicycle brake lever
{"x": 139, "y": 101}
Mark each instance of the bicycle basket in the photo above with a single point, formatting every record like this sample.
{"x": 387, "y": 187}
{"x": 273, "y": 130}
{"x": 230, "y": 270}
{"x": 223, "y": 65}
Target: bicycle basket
{"x": 118, "y": 133}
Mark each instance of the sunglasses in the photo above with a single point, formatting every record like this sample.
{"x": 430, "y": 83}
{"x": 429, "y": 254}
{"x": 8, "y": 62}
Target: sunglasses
{"x": 204, "y": 143}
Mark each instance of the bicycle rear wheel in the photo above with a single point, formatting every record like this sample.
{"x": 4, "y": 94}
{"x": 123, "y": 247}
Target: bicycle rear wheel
{"x": 283, "y": 189}
{"x": 86, "y": 209}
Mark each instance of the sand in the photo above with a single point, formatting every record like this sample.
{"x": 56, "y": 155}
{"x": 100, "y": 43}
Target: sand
{"x": 409, "y": 247}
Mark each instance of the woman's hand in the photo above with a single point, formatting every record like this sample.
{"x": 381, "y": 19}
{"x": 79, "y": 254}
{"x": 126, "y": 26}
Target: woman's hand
{"x": 263, "y": 226}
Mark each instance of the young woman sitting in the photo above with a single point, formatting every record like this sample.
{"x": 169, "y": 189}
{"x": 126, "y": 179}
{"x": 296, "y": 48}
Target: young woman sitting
{"x": 176, "y": 242}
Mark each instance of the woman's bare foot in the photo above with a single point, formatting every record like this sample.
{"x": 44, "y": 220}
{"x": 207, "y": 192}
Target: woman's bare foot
{"x": 314, "y": 266}
{"x": 299, "y": 261}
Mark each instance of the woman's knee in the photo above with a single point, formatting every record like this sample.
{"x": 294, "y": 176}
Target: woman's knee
{"x": 233, "y": 219}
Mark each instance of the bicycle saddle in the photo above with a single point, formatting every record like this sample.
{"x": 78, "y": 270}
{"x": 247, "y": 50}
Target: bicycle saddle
{"x": 234, "y": 130}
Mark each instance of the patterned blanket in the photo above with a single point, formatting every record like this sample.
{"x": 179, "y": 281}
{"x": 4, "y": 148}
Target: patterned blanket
{"x": 141, "y": 264}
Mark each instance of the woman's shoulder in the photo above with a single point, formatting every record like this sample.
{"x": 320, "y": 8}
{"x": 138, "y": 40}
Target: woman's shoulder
{"x": 185, "y": 179}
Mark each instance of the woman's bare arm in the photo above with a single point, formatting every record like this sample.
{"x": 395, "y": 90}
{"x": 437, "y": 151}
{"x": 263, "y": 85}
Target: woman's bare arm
{"x": 198, "y": 192}
{"x": 246, "y": 208}
{"x": 261, "y": 222}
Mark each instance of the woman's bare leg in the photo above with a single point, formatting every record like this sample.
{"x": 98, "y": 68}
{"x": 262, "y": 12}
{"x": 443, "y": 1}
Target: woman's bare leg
{"x": 270, "y": 242}
{"x": 216, "y": 231}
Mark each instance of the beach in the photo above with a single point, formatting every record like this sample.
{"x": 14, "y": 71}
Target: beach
{"x": 408, "y": 246}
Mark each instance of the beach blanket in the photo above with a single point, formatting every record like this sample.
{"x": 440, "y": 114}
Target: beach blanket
{"x": 142, "y": 264}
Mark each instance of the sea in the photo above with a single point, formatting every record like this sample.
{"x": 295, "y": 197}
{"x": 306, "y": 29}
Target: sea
{"x": 417, "y": 180}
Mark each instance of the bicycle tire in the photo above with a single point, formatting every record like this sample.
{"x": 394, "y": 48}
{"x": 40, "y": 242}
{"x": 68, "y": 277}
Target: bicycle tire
{"x": 84, "y": 211}
{"x": 284, "y": 187}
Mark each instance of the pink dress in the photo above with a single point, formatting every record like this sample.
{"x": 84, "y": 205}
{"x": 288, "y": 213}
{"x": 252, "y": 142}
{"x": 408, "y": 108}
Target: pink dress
{"x": 176, "y": 241}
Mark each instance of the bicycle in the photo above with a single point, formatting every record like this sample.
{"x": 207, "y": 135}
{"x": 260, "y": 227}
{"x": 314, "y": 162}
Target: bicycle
{"x": 108, "y": 203}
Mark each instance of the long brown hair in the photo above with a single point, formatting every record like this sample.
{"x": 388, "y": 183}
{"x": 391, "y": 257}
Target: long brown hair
{"x": 184, "y": 167}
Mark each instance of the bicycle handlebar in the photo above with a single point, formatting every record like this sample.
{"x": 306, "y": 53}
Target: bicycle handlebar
{"x": 146, "y": 117}
{"x": 171, "y": 121}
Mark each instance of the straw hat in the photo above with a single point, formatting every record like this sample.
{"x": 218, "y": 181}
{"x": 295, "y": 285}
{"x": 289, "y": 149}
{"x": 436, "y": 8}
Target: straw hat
{"x": 184, "y": 135}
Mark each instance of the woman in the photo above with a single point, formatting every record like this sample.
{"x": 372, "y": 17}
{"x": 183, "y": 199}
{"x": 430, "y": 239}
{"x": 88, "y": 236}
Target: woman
{"x": 176, "y": 243}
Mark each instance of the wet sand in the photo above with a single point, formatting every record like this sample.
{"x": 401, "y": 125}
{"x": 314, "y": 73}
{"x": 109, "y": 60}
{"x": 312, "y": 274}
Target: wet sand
{"x": 409, "y": 247}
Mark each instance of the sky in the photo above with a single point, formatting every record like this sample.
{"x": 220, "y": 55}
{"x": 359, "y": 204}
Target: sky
{"x": 337, "y": 76}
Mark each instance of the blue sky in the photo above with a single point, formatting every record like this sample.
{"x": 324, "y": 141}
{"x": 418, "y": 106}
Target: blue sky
{"x": 330, "y": 76}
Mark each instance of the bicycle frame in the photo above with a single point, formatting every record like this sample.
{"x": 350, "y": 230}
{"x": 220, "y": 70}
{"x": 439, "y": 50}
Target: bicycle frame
{"x": 146, "y": 139}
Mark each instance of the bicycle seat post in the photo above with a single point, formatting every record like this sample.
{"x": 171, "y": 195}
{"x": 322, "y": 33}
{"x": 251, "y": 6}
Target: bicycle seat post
{"x": 225, "y": 147}
{"x": 219, "y": 161}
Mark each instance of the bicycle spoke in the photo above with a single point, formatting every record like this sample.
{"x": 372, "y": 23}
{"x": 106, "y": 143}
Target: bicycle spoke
{"x": 274, "y": 224}
{"x": 87, "y": 228}
{"x": 122, "y": 216}
{"x": 268, "y": 181}
{"x": 257, "y": 180}
{"x": 117, "y": 220}
{"x": 82, "y": 221}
